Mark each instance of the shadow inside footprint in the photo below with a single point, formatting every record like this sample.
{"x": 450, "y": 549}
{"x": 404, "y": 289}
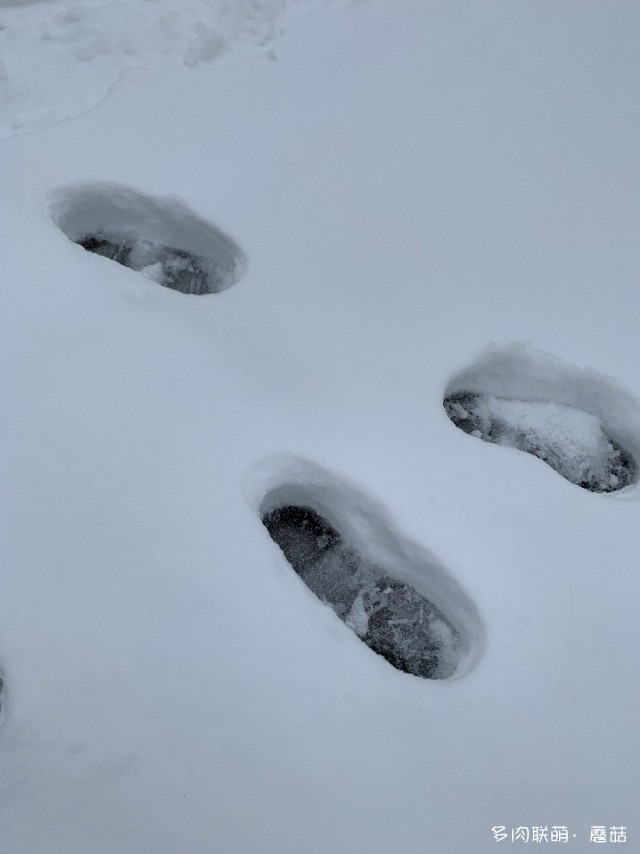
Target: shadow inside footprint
{"x": 568, "y": 439}
{"x": 392, "y": 618}
{"x": 160, "y": 238}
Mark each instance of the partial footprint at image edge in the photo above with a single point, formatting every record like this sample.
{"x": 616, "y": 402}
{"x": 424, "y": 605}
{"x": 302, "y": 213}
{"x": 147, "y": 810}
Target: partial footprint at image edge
{"x": 571, "y": 441}
{"x": 581, "y": 423}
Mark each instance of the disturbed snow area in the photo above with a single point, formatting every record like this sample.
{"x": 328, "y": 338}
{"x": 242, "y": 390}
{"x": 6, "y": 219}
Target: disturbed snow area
{"x": 398, "y": 202}
{"x": 59, "y": 58}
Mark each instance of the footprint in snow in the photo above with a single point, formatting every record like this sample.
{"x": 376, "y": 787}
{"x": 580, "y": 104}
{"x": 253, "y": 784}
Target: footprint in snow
{"x": 426, "y": 630}
{"x": 160, "y": 238}
{"x": 509, "y": 401}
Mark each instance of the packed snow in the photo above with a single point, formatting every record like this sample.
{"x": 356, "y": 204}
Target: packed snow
{"x": 580, "y": 423}
{"x": 570, "y": 441}
{"x": 379, "y": 206}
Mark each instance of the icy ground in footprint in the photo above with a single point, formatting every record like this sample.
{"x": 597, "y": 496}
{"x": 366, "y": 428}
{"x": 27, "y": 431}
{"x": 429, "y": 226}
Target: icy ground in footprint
{"x": 169, "y": 267}
{"x": 393, "y": 619}
{"x": 570, "y": 440}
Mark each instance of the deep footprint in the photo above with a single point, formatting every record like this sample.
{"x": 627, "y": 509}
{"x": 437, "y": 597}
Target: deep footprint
{"x": 393, "y": 619}
{"x": 159, "y": 238}
{"x": 568, "y": 439}
{"x": 169, "y": 267}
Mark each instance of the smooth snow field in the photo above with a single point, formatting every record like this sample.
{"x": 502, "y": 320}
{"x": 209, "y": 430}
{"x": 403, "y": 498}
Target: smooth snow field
{"x": 270, "y": 271}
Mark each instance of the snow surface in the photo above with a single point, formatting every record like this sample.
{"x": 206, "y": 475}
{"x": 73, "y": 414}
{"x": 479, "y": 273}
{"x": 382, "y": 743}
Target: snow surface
{"x": 428, "y": 197}
{"x": 60, "y": 57}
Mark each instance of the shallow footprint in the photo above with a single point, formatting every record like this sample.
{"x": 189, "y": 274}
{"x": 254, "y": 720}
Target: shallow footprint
{"x": 574, "y": 441}
{"x": 392, "y": 618}
{"x": 161, "y": 238}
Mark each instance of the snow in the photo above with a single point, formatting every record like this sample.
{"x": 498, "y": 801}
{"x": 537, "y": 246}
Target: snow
{"x": 415, "y": 200}
{"x": 60, "y": 57}
{"x": 571, "y": 441}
